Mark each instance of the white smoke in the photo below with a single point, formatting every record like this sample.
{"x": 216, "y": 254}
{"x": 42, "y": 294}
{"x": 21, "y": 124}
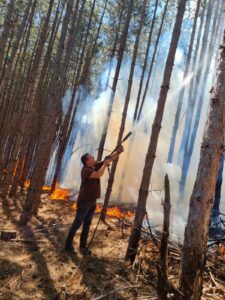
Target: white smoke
{"x": 93, "y": 112}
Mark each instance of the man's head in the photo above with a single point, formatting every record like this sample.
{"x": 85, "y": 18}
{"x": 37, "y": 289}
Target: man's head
{"x": 88, "y": 160}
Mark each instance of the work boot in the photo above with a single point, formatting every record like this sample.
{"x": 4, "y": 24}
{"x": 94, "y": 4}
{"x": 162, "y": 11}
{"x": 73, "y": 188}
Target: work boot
{"x": 70, "y": 250}
{"x": 85, "y": 251}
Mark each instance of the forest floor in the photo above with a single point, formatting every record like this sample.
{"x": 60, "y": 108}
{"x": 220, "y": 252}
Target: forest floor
{"x": 33, "y": 265}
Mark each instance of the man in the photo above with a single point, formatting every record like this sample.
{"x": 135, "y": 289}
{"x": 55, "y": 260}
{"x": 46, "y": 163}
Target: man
{"x": 86, "y": 203}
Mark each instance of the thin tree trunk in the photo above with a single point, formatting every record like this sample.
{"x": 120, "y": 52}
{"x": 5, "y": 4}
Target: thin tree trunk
{"x": 5, "y": 33}
{"x": 115, "y": 80}
{"x": 15, "y": 47}
{"x": 81, "y": 77}
{"x": 188, "y": 153}
{"x": 125, "y": 109}
{"x": 181, "y": 95}
{"x": 194, "y": 84}
{"x": 163, "y": 259}
{"x": 152, "y": 62}
{"x": 196, "y": 231}
{"x": 39, "y": 96}
{"x": 150, "y": 157}
{"x": 145, "y": 61}
{"x": 46, "y": 137}
{"x": 113, "y": 51}
{"x": 66, "y": 126}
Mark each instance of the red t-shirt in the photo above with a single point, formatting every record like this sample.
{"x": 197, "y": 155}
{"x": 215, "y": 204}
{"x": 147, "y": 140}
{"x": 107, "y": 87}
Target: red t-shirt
{"x": 90, "y": 188}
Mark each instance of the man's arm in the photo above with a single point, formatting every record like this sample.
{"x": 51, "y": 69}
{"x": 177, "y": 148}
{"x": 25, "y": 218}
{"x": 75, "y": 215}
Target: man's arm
{"x": 100, "y": 172}
{"x": 117, "y": 154}
{"x": 106, "y": 163}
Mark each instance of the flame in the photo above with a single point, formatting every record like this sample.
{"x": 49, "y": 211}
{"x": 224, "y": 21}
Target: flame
{"x": 113, "y": 212}
{"x": 58, "y": 194}
{"x": 63, "y": 194}
{"x": 27, "y": 183}
{"x": 46, "y": 188}
{"x": 14, "y": 172}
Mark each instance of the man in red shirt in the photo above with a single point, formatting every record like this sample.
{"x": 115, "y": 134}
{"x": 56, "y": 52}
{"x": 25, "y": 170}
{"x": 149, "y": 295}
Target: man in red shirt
{"x": 90, "y": 191}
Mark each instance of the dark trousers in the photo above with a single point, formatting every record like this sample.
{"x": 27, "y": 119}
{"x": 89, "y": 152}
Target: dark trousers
{"x": 84, "y": 215}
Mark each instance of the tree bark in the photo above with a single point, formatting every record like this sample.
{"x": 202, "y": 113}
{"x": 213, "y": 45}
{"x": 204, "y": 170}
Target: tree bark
{"x": 5, "y": 33}
{"x": 150, "y": 157}
{"x": 181, "y": 94}
{"x": 196, "y": 231}
{"x": 145, "y": 61}
{"x": 199, "y": 58}
{"x": 46, "y": 137}
{"x": 201, "y": 88}
{"x": 216, "y": 205}
{"x": 115, "y": 80}
{"x": 163, "y": 259}
{"x": 152, "y": 62}
{"x": 125, "y": 109}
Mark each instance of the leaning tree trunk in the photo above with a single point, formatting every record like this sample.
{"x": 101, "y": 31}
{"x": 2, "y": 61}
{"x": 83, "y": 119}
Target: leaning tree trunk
{"x": 163, "y": 256}
{"x": 145, "y": 61}
{"x": 201, "y": 88}
{"x": 150, "y": 157}
{"x": 181, "y": 94}
{"x": 125, "y": 109}
{"x": 194, "y": 84}
{"x": 39, "y": 95}
{"x": 196, "y": 231}
{"x": 66, "y": 131}
{"x": 113, "y": 51}
{"x": 5, "y": 33}
{"x": 115, "y": 80}
{"x": 15, "y": 46}
{"x": 152, "y": 62}
{"x": 46, "y": 137}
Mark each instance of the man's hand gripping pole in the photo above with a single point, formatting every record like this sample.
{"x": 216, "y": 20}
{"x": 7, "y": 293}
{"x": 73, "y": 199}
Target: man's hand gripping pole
{"x": 118, "y": 147}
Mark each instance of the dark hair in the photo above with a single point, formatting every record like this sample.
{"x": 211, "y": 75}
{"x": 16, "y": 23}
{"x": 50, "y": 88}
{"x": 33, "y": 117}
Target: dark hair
{"x": 84, "y": 158}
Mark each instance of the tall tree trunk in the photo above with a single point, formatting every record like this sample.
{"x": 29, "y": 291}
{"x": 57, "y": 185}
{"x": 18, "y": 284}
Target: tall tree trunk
{"x": 9, "y": 69}
{"x": 115, "y": 80}
{"x": 125, "y": 109}
{"x": 14, "y": 132}
{"x": 150, "y": 157}
{"x": 113, "y": 51}
{"x": 46, "y": 137}
{"x": 63, "y": 139}
{"x": 39, "y": 95}
{"x": 201, "y": 88}
{"x": 181, "y": 94}
{"x": 152, "y": 61}
{"x": 163, "y": 258}
{"x": 5, "y": 33}
{"x": 66, "y": 131}
{"x": 81, "y": 77}
{"x": 15, "y": 46}
{"x": 194, "y": 84}
{"x": 196, "y": 231}
{"x": 145, "y": 60}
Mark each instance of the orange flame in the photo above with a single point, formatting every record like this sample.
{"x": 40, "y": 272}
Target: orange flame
{"x": 27, "y": 183}
{"x": 58, "y": 194}
{"x": 63, "y": 194}
{"x": 113, "y": 212}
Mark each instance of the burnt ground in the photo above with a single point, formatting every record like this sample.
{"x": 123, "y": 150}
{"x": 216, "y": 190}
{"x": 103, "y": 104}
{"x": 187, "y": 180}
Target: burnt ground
{"x": 34, "y": 266}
